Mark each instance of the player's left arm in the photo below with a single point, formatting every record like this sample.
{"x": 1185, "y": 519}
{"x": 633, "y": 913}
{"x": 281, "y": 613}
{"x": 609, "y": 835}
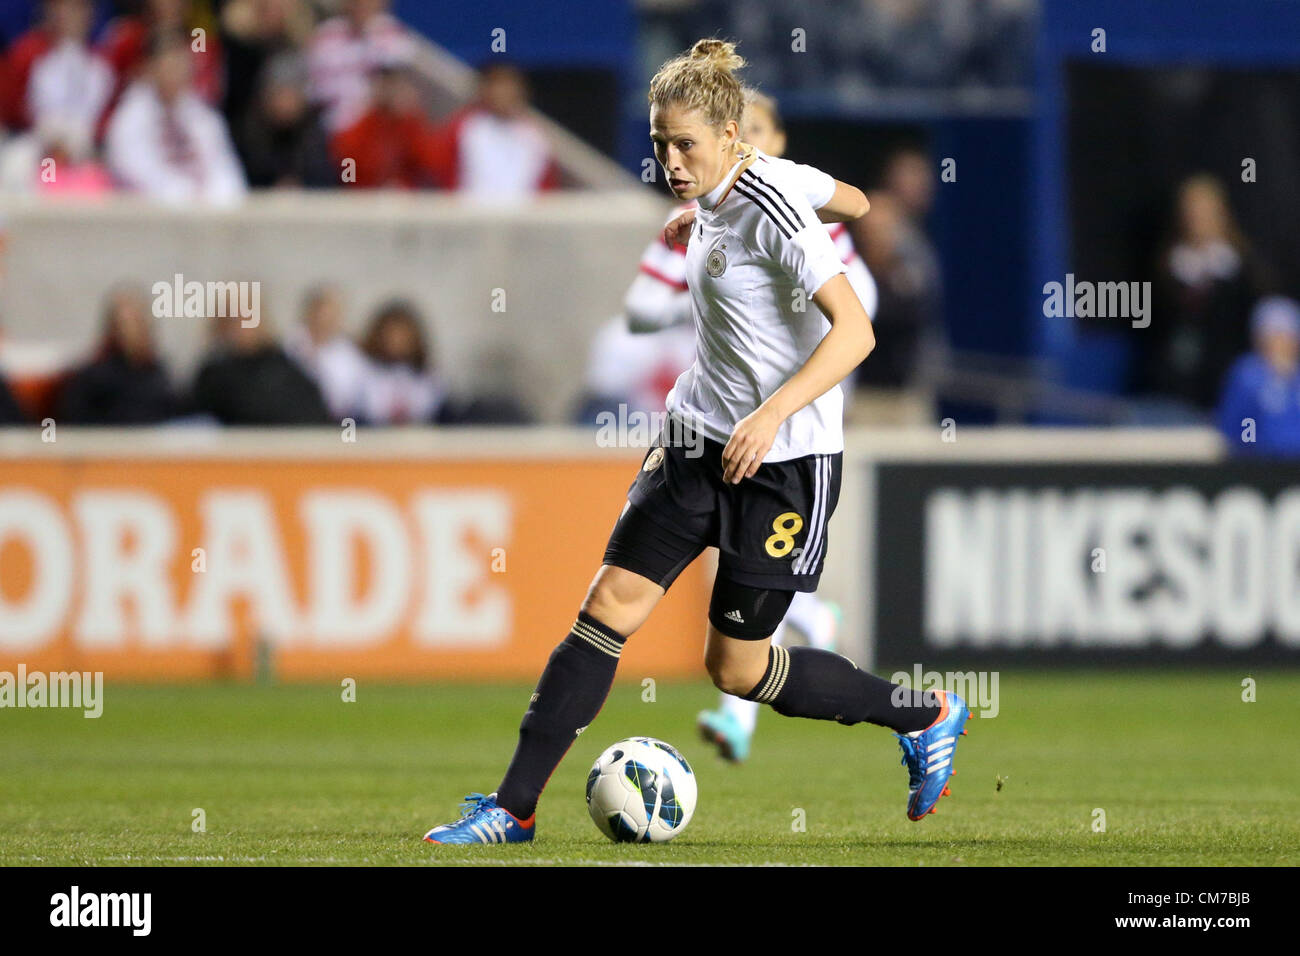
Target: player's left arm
{"x": 832, "y": 200}
{"x": 846, "y": 204}
{"x": 841, "y": 350}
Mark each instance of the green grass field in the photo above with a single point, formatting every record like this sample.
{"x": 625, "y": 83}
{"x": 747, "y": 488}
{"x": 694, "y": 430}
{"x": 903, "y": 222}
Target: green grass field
{"x": 1185, "y": 771}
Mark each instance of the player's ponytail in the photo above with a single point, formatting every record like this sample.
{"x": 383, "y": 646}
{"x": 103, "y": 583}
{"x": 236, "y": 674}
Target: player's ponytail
{"x": 703, "y": 79}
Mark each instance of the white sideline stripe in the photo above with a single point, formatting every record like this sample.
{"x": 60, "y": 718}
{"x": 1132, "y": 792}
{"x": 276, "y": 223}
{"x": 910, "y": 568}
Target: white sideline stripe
{"x": 431, "y": 861}
{"x": 939, "y": 766}
{"x": 940, "y": 742}
{"x": 941, "y": 753}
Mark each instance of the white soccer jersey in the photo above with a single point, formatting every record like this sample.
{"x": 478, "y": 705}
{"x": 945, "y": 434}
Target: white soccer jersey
{"x": 757, "y": 241}
{"x": 651, "y": 302}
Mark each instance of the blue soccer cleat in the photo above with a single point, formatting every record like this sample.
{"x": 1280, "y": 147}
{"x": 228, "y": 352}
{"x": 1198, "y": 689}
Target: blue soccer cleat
{"x": 723, "y": 730}
{"x": 928, "y": 754}
{"x": 482, "y": 821}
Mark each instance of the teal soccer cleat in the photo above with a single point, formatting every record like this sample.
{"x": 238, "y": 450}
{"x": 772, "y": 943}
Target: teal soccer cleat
{"x": 928, "y": 754}
{"x": 482, "y": 821}
{"x": 723, "y": 731}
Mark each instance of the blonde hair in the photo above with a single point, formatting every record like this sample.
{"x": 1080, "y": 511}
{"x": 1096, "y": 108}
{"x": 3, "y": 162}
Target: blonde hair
{"x": 703, "y": 79}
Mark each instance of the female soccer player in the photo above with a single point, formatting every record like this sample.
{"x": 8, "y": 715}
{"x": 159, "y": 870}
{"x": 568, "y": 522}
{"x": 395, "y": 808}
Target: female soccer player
{"x": 762, "y": 403}
{"x": 659, "y": 301}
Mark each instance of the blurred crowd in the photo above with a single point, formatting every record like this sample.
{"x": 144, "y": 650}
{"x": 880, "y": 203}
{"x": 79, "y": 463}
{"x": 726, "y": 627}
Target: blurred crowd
{"x": 861, "y": 45}
{"x": 1222, "y": 344}
{"x": 201, "y": 100}
{"x": 317, "y": 374}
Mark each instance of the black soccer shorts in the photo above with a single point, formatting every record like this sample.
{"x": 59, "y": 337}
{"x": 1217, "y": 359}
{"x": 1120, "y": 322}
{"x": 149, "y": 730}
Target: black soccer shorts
{"x": 770, "y": 530}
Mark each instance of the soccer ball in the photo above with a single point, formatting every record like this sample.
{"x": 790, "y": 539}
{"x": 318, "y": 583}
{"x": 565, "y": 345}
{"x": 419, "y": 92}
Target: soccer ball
{"x": 641, "y": 790}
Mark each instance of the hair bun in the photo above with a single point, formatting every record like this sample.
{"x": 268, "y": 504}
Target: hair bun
{"x": 703, "y": 79}
{"x": 721, "y": 52}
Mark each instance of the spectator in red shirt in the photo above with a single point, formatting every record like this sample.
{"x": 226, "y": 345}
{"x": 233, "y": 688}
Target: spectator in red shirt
{"x": 493, "y": 149}
{"x": 69, "y": 84}
{"x": 23, "y": 54}
{"x": 392, "y": 144}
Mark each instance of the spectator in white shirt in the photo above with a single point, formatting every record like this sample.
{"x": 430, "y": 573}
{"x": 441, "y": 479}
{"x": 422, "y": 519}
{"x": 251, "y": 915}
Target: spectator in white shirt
{"x": 342, "y": 53}
{"x": 332, "y": 359}
{"x": 400, "y": 388}
{"x": 493, "y": 150}
{"x": 165, "y": 142}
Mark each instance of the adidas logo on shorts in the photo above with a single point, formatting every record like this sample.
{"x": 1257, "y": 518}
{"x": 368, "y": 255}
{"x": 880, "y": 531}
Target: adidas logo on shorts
{"x": 734, "y": 616}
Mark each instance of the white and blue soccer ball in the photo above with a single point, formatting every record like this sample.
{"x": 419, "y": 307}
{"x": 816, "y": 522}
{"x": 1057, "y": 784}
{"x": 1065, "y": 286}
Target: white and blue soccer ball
{"x": 641, "y": 790}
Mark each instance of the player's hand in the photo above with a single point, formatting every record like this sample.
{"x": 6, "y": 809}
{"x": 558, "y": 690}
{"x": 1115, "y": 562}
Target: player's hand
{"x": 750, "y": 441}
{"x": 678, "y": 230}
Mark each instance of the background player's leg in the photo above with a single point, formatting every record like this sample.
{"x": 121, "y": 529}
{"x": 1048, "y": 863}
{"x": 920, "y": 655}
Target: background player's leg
{"x": 576, "y": 682}
{"x": 817, "y": 622}
{"x": 814, "y": 618}
{"x": 731, "y": 727}
{"x": 745, "y": 712}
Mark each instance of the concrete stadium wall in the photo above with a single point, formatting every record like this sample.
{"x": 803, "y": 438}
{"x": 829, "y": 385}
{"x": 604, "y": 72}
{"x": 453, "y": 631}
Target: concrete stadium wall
{"x": 562, "y": 262}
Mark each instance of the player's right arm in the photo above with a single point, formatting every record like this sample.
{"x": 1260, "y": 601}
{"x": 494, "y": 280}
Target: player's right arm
{"x": 658, "y": 297}
{"x": 809, "y": 258}
{"x": 653, "y": 303}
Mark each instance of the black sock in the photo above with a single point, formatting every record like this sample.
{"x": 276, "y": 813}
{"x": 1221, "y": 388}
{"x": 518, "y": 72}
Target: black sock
{"x": 805, "y": 682}
{"x": 570, "y": 693}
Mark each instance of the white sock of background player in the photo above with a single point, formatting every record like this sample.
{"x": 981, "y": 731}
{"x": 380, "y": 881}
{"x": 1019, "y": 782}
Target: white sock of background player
{"x": 809, "y": 615}
{"x": 746, "y": 711}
